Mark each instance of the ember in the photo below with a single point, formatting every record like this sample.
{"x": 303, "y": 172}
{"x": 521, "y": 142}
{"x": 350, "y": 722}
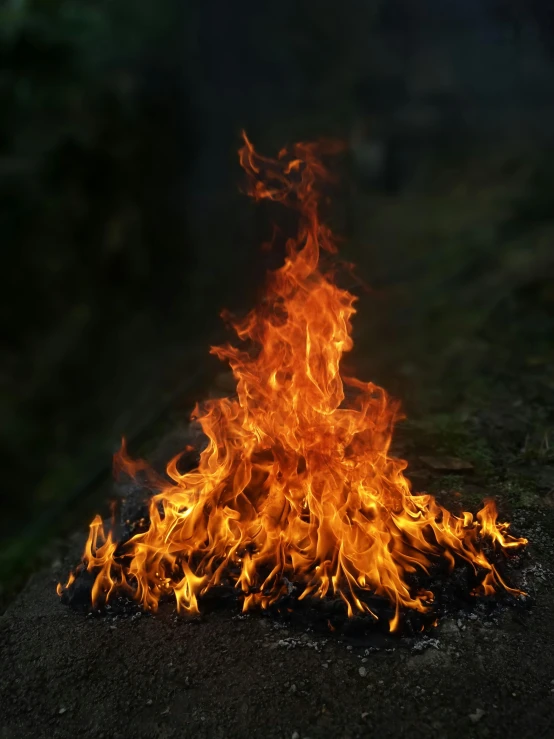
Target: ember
{"x": 295, "y": 498}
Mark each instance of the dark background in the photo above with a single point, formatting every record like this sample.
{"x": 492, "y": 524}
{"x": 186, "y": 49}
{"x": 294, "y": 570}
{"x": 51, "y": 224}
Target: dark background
{"x": 124, "y": 232}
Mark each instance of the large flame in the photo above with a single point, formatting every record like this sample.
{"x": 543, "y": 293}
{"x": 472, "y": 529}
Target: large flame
{"x": 296, "y": 483}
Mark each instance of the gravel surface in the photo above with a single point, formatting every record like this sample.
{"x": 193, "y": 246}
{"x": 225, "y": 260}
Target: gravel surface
{"x": 68, "y": 675}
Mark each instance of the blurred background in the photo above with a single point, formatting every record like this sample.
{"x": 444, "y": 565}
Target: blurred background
{"x": 124, "y": 232}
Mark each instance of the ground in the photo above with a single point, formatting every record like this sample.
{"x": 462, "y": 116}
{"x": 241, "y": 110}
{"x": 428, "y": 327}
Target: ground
{"x": 65, "y": 674}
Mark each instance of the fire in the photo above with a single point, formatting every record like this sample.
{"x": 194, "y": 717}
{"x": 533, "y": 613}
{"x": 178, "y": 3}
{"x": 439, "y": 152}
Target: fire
{"x": 296, "y": 484}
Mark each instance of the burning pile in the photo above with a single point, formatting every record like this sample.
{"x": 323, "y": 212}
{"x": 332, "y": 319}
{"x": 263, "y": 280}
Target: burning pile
{"x": 295, "y": 485}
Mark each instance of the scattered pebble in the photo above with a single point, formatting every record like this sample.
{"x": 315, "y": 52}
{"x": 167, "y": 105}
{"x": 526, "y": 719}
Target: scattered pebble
{"x": 62, "y": 711}
{"x": 295, "y": 735}
{"x": 447, "y": 464}
{"x": 303, "y": 641}
{"x": 477, "y": 715}
{"x": 426, "y": 643}
{"x": 362, "y": 671}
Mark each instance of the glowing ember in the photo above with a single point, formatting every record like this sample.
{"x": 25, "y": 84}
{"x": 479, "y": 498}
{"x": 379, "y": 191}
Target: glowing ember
{"x": 296, "y": 483}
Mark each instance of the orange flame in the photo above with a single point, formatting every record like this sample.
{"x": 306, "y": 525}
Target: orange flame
{"x": 296, "y": 483}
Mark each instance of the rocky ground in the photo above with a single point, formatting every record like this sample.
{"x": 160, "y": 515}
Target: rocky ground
{"x": 66, "y": 674}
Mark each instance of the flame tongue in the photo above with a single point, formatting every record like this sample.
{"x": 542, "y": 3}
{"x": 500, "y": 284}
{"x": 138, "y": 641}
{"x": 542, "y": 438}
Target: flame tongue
{"x": 296, "y": 483}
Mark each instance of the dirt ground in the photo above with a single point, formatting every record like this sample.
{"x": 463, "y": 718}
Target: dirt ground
{"x": 65, "y": 674}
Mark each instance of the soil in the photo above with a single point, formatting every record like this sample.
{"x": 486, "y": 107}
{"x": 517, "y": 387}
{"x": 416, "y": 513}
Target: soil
{"x": 66, "y": 674}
